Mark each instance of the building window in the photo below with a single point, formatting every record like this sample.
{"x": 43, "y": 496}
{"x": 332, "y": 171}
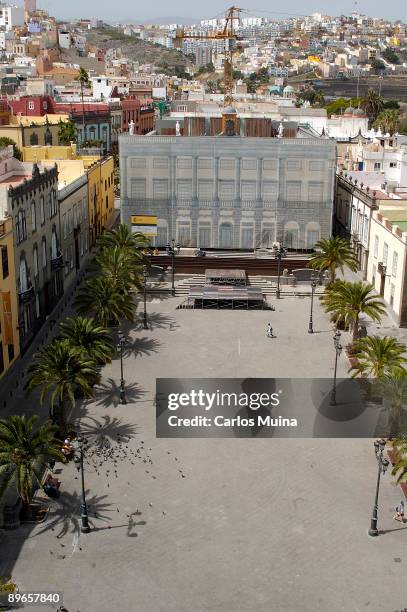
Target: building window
{"x": 37, "y": 306}
{"x": 377, "y": 166}
{"x": 35, "y": 261}
{"x": 10, "y": 351}
{"x": 312, "y": 238}
{"x": 23, "y": 275}
{"x": 30, "y": 105}
{"x": 293, "y": 191}
{"x": 44, "y": 253}
{"x": 204, "y": 236}
{"x": 227, "y": 190}
{"x": 392, "y": 290}
{"x": 385, "y": 253}
{"x": 42, "y": 210}
{"x": 4, "y": 261}
{"x": 376, "y": 247}
{"x": 160, "y": 189}
{"x": 394, "y": 263}
{"x": 138, "y": 189}
{"x": 393, "y": 164}
{"x": 184, "y": 189}
{"x": 225, "y": 236}
{"x": 34, "y": 139}
{"x": 248, "y": 190}
{"x": 33, "y": 217}
{"x": 247, "y": 238}
{"x": 54, "y": 245}
{"x": 64, "y": 226}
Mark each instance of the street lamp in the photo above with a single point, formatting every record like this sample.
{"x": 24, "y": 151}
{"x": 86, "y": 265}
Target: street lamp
{"x": 145, "y": 276}
{"x": 173, "y": 249}
{"x": 313, "y": 287}
{"x": 338, "y": 350}
{"x": 279, "y": 254}
{"x": 82, "y": 444}
{"x": 383, "y": 464}
{"x": 120, "y": 346}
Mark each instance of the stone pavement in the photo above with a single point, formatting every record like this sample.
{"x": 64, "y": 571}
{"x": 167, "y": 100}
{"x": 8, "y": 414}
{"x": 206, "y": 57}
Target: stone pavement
{"x": 214, "y": 524}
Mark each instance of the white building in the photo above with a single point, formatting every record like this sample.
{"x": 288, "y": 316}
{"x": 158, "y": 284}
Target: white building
{"x": 11, "y": 16}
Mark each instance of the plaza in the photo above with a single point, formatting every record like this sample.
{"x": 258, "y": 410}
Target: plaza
{"x": 215, "y": 524}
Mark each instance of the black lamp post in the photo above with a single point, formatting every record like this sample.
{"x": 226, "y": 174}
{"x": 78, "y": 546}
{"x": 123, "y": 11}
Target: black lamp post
{"x": 145, "y": 276}
{"x": 82, "y": 443}
{"x": 313, "y": 287}
{"x": 338, "y": 351}
{"x": 279, "y": 254}
{"x": 120, "y": 346}
{"x": 173, "y": 249}
{"x": 379, "y": 446}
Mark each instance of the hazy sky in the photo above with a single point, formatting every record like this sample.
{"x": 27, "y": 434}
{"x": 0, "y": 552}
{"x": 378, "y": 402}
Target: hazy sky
{"x": 128, "y": 10}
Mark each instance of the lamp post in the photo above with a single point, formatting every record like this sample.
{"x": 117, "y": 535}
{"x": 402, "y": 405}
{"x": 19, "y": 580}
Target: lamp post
{"x": 383, "y": 464}
{"x": 173, "y": 249}
{"x": 338, "y": 350}
{"x": 82, "y": 443}
{"x": 313, "y": 287}
{"x": 279, "y": 254}
{"x": 145, "y": 276}
{"x": 120, "y": 346}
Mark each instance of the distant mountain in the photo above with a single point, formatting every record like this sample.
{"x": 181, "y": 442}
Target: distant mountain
{"x": 172, "y": 19}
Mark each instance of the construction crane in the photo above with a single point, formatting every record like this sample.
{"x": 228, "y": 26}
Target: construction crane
{"x": 228, "y": 34}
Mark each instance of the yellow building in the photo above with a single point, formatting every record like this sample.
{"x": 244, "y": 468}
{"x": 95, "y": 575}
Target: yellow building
{"x": 100, "y": 197}
{"x": 9, "y": 336}
{"x": 57, "y": 153}
{"x": 32, "y": 131}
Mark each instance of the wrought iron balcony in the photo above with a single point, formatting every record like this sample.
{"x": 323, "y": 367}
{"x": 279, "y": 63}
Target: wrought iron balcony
{"x": 57, "y": 262}
{"x": 26, "y": 295}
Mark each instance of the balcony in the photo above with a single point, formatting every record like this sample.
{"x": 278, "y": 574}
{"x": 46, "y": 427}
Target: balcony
{"x": 26, "y": 295}
{"x": 57, "y": 262}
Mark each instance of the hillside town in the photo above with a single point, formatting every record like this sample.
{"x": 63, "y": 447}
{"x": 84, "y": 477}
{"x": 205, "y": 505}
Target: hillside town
{"x": 166, "y": 190}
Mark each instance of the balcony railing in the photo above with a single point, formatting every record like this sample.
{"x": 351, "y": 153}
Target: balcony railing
{"x": 26, "y": 295}
{"x": 57, "y": 262}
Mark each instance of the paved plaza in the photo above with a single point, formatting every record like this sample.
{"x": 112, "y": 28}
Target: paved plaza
{"x": 228, "y": 525}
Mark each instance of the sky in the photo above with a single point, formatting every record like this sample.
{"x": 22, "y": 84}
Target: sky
{"x": 130, "y": 11}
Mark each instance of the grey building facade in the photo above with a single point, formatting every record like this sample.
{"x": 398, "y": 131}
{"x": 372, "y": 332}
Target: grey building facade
{"x": 230, "y": 192}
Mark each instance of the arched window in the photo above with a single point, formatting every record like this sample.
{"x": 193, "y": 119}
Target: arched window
{"x": 225, "y": 236}
{"x": 44, "y": 253}
{"x": 42, "y": 210}
{"x": 33, "y": 217}
{"x": 35, "y": 260}
{"x": 23, "y": 275}
{"x": 48, "y": 137}
{"x": 54, "y": 245}
{"x": 34, "y": 139}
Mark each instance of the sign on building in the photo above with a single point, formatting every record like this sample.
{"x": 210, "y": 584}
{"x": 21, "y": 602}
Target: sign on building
{"x": 146, "y": 224}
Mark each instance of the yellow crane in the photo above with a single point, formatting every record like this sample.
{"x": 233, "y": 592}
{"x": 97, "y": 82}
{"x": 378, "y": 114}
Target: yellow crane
{"x": 228, "y": 34}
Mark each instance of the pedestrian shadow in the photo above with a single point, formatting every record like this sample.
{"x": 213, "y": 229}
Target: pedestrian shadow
{"x": 107, "y": 393}
{"x": 64, "y": 514}
{"x": 384, "y": 531}
{"x": 107, "y": 428}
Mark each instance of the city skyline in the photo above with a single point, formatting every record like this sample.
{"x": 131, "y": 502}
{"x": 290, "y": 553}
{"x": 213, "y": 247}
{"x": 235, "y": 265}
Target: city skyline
{"x": 125, "y": 11}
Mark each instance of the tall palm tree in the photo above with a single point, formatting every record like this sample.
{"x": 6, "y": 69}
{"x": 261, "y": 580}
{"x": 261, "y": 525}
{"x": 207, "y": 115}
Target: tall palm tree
{"x": 105, "y": 301}
{"x": 89, "y": 337}
{"x": 373, "y": 104}
{"x": 84, "y": 81}
{"x": 121, "y": 236}
{"x": 400, "y": 467}
{"x": 388, "y": 120}
{"x": 347, "y": 301}
{"x": 24, "y": 451}
{"x": 334, "y": 253}
{"x": 393, "y": 389}
{"x": 60, "y": 369}
{"x": 118, "y": 265}
{"x": 379, "y": 356}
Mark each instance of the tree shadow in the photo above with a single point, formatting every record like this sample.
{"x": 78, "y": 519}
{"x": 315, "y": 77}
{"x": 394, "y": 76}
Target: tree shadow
{"x": 107, "y": 393}
{"x": 156, "y": 320}
{"x": 64, "y": 514}
{"x": 140, "y": 346}
{"x": 107, "y": 428}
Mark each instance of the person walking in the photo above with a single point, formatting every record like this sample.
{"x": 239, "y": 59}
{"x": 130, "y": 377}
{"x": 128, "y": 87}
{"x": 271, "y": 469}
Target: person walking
{"x": 269, "y": 332}
{"x": 399, "y": 512}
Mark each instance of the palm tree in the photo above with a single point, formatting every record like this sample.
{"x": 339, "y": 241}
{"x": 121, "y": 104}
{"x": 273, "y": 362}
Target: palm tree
{"x": 89, "y": 337}
{"x": 393, "y": 388}
{"x": 378, "y": 356}
{"x": 388, "y": 120}
{"x": 373, "y": 104}
{"x": 61, "y": 369}
{"x": 347, "y": 301}
{"x": 121, "y": 236}
{"x": 118, "y": 265}
{"x": 24, "y": 451}
{"x": 105, "y": 301}
{"x": 333, "y": 253}
{"x": 84, "y": 81}
{"x": 400, "y": 467}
